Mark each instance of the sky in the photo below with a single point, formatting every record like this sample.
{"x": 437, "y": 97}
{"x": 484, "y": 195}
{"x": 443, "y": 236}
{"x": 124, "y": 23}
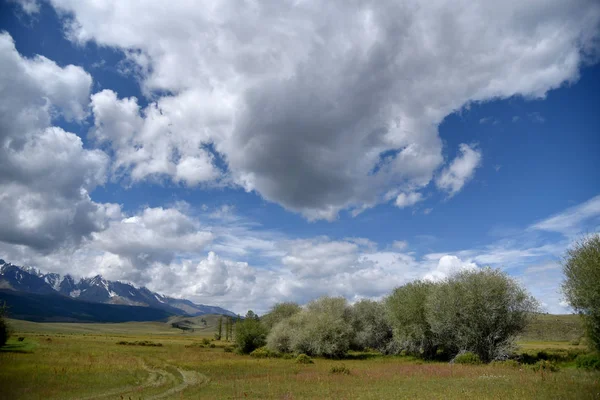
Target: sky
{"x": 244, "y": 153}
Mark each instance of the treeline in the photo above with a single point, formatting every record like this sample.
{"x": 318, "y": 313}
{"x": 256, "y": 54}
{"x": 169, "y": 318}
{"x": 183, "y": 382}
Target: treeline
{"x": 480, "y": 311}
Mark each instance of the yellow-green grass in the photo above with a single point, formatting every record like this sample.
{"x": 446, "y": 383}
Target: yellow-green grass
{"x": 71, "y": 363}
{"x": 557, "y": 328}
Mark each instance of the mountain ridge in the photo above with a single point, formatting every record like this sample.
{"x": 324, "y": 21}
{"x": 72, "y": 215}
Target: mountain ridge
{"x": 96, "y": 289}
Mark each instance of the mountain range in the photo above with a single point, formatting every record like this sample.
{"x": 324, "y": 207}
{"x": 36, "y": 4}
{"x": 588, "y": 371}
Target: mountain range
{"x": 29, "y": 280}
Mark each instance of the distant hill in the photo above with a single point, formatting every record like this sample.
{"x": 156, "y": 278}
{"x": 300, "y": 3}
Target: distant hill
{"x": 204, "y": 323}
{"x": 56, "y": 308}
{"x": 97, "y": 290}
{"x": 549, "y": 327}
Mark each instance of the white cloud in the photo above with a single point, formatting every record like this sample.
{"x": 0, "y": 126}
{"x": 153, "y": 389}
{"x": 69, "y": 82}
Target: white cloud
{"x": 30, "y": 7}
{"x": 448, "y": 265}
{"x": 460, "y": 171}
{"x": 400, "y": 244}
{"x": 407, "y": 200}
{"x": 571, "y": 220}
{"x": 322, "y": 108}
{"x": 144, "y": 145}
{"x": 46, "y": 174}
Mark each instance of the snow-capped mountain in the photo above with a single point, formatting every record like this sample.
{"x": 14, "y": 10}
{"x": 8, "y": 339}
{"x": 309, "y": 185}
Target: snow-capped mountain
{"x": 97, "y": 290}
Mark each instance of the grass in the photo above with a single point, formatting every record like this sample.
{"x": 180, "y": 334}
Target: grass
{"x": 84, "y": 361}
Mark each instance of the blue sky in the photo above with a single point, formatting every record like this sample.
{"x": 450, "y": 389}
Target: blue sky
{"x": 335, "y": 152}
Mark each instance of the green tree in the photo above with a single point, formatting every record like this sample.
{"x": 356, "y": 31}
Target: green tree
{"x": 406, "y": 311}
{"x": 278, "y": 313}
{"x": 219, "y": 333}
{"x": 227, "y": 322}
{"x": 581, "y": 286}
{"x": 250, "y": 334}
{"x": 323, "y": 328}
{"x": 4, "y": 327}
{"x": 480, "y": 311}
{"x": 371, "y": 327}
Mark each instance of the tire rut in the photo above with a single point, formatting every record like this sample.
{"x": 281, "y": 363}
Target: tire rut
{"x": 156, "y": 377}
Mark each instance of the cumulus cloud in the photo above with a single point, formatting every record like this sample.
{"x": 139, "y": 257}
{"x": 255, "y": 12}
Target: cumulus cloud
{"x": 460, "y": 171}
{"x": 448, "y": 265}
{"x": 155, "y": 235}
{"x": 325, "y": 107}
{"x": 46, "y": 174}
{"x": 144, "y": 143}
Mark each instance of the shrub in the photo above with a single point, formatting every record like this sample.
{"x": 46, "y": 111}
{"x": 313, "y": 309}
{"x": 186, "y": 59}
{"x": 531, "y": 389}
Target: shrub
{"x": 405, "y": 309}
{"x": 21, "y": 338}
{"x": 482, "y": 310}
{"x": 264, "y": 352}
{"x": 304, "y": 359}
{"x": 228, "y": 349}
{"x": 212, "y": 345}
{"x": 575, "y": 342}
{"x": 545, "y": 366}
{"x": 4, "y": 327}
{"x": 372, "y": 329}
{"x": 588, "y": 361}
{"x": 339, "y": 369}
{"x": 322, "y": 329}
{"x": 250, "y": 335}
{"x": 278, "y": 313}
{"x": 206, "y": 341}
{"x": 582, "y": 284}
{"x": 467, "y": 358}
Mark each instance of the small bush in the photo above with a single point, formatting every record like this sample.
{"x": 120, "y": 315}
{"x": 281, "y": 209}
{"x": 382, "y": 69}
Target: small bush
{"x": 205, "y": 341}
{"x": 304, "y": 359}
{"x": 228, "y": 349}
{"x": 140, "y": 343}
{"x": 575, "y": 342}
{"x": 339, "y": 369}
{"x": 260, "y": 353}
{"x": 467, "y": 358}
{"x": 21, "y": 338}
{"x": 287, "y": 356}
{"x": 545, "y": 366}
{"x": 588, "y": 361}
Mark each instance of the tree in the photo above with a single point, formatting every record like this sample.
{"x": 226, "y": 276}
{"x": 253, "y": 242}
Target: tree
{"x": 581, "y": 286}
{"x": 278, "y": 313}
{"x": 4, "y": 328}
{"x": 371, "y": 327}
{"x": 219, "y": 333}
{"x": 250, "y": 334}
{"x": 480, "y": 311}
{"x": 322, "y": 329}
{"x": 406, "y": 311}
{"x": 227, "y": 322}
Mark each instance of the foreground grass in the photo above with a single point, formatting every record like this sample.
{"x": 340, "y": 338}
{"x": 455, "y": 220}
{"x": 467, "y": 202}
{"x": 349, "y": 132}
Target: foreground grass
{"x": 71, "y": 362}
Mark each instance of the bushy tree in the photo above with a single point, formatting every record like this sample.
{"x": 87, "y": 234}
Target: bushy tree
{"x": 406, "y": 311}
{"x": 371, "y": 327}
{"x": 323, "y": 328}
{"x": 4, "y": 328}
{"x": 250, "y": 334}
{"x": 480, "y": 311}
{"x": 582, "y": 284}
{"x": 278, "y": 313}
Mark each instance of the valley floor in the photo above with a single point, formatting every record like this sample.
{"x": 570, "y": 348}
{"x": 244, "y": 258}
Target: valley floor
{"x": 84, "y": 361}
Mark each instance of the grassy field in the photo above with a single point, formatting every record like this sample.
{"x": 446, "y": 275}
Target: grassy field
{"x": 84, "y": 361}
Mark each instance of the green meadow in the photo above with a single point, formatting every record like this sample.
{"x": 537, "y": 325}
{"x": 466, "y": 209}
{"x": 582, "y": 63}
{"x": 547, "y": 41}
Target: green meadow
{"x": 157, "y": 361}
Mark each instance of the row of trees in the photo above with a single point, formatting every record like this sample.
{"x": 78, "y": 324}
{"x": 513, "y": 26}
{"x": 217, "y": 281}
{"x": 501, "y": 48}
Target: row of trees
{"x": 480, "y": 311}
